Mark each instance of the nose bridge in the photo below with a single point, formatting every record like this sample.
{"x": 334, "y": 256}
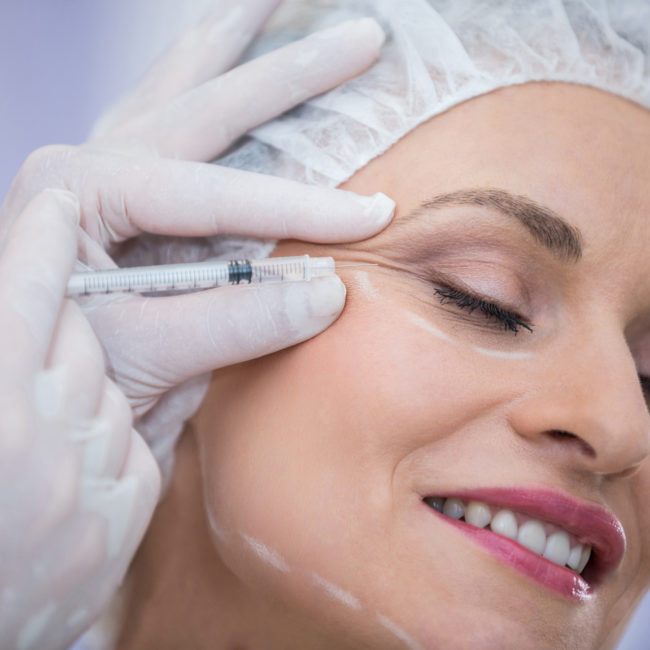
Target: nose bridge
{"x": 591, "y": 389}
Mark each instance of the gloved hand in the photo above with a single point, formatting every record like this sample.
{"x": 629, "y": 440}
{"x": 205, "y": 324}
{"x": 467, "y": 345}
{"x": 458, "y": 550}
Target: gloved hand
{"x": 144, "y": 171}
{"x": 77, "y": 484}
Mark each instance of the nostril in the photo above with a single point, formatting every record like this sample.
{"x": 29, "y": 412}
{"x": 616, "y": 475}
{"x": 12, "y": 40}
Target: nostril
{"x": 560, "y": 434}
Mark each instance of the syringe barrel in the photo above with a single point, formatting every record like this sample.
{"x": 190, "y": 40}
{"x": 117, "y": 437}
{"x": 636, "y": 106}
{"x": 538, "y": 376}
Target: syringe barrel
{"x": 291, "y": 269}
{"x": 200, "y": 275}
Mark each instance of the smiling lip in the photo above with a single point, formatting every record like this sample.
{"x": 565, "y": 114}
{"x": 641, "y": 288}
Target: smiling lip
{"x": 590, "y": 523}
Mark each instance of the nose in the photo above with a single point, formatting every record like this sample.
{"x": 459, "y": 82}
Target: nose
{"x": 589, "y": 400}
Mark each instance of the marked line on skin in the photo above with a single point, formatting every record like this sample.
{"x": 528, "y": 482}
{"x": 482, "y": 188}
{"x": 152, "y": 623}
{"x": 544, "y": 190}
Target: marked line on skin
{"x": 218, "y": 531}
{"x": 336, "y": 592}
{"x": 500, "y": 354}
{"x": 422, "y": 323}
{"x": 426, "y": 325}
{"x": 266, "y": 553}
{"x": 365, "y": 284}
{"x": 408, "y": 640}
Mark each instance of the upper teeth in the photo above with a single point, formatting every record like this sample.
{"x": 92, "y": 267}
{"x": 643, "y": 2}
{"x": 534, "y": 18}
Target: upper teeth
{"x": 555, "y": 545}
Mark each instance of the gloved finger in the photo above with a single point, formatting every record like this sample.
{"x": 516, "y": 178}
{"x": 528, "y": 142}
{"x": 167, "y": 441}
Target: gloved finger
{"x": 105, "y": 535}
{"x": 63, "y": 453}
{"x": 105, "y": 440}
{"x": 156, "y": 426}
{"x": 91, "y": 254}
{"x": 77, "y": 357}
{"x": 34, "y": 268}
{"x": 175, "y": 338}
{"x": 49, "y": 497}
{"x": 126, "y": 502}
{"x": 37, "y": 615}
{"x": 201, "y": 123}
{"x": 202, "y": 52}
{"x": 98, "y": 413}
{"x": 136, "y": 194}
{"x": 68, "y": 538}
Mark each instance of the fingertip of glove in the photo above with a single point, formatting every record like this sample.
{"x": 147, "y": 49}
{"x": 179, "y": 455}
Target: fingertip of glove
{"x": 374, "y": 32}
{"x": 381, "y": 208}
{"x": 67, "y": 203}
{"x": 326, "y": 296}
{"x": 311, "y": 306}
{"x": 366, "y": 31}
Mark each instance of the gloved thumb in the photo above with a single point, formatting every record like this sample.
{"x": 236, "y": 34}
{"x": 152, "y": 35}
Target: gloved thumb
{"x": 154, "y": 344}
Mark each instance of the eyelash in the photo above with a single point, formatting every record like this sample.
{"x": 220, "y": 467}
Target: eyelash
{"x": 507, "y": 320}
{"x": 645, "y": 383}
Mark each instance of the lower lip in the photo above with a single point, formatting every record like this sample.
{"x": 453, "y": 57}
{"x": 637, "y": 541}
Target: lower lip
{"x": 560, "y": 579}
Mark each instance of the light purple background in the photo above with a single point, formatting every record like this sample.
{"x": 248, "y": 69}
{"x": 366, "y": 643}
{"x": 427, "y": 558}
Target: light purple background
{"x": 63, "y": 61}
{"x": 53, "y": 73}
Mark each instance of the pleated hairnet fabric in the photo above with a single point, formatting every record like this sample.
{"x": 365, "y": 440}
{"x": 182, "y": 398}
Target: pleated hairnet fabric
{"x": 440, "y": 53}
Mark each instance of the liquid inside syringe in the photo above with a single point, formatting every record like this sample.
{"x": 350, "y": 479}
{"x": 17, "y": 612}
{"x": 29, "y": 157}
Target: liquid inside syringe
{"x": 200, "y": 275}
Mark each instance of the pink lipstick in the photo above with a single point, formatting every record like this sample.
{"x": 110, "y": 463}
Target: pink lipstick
{"x": 589, "y": 525}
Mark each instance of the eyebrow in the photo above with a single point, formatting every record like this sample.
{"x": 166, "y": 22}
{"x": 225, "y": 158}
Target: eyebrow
{"x": 545, "y": 225}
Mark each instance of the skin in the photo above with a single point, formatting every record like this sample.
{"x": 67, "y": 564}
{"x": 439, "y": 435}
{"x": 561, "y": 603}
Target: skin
{"x": 351, "y": 429}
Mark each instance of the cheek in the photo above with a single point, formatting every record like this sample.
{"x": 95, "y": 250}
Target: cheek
{"x": 310, "y": 461}
{"x": 308, "y": 436}
{"x": 641, "y": 512}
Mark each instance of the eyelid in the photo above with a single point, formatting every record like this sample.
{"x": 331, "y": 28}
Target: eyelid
{"x": 455, "y": 282}
{"x": 500, "y": 317}
{"x": 444, "y": 244}
{"x": 496, "y": 278}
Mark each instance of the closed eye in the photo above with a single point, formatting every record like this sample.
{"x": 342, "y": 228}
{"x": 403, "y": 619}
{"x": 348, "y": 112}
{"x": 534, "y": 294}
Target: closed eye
{"x": 485, "y": 310}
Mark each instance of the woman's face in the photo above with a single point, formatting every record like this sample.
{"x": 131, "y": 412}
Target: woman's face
{"x": 493, "y": 354}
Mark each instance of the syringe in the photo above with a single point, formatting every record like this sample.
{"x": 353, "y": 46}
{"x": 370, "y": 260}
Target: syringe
{"x": 201, "y": 275}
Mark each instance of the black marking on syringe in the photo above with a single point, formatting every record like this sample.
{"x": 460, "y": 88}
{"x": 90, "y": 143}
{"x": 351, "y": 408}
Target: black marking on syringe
{"x": 240, "y": 271}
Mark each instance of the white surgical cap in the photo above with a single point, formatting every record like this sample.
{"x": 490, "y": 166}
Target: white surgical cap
{"x": 438, "y": 54}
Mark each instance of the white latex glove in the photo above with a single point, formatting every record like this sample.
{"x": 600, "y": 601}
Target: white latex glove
{"x": 130, "y": 180}
{"x": 77, "y": 484}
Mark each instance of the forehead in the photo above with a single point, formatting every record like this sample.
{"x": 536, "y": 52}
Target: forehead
{"x": 582, "y": 152}
{"x": 577, "y": 149}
